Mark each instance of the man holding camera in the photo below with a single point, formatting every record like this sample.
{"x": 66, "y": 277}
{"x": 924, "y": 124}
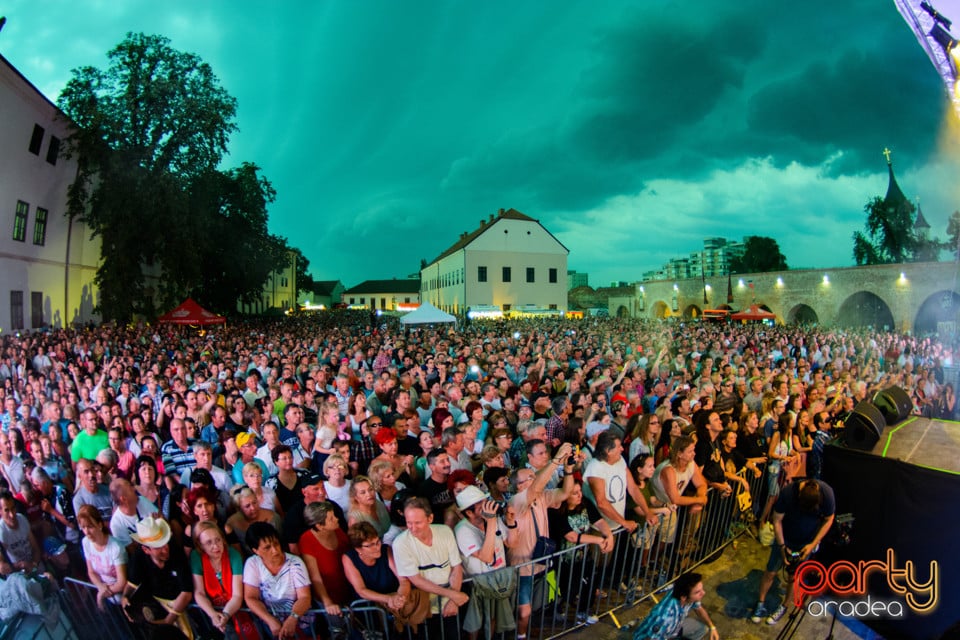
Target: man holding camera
{"x": 802, "y": 516}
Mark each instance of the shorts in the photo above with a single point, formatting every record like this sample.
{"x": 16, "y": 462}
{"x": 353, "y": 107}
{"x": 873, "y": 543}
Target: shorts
{"x": 776, "y": 561}
{"x": 530, "y": 590}
{"x": 525, "y": 590}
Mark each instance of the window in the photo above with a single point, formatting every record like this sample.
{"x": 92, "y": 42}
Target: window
{"x": 40, "y": 227}
{"x": 506, "y": 274}
{"x": 553, "y": 276}
{"x": 16, "y": 309}
{"x": 531, "y": 274}
{"x": 407, "y": 299}
{"x": 36, "y": 309}
{"x": 53, "y": 150}
{"x": 351, "y": 300}
{"x": 363, "y": 300}
{"x": 36, "y": 140}
{"x": 20, "y": 221}
{"x": 507, "y": 307}
{"x": 383, "y": 303}
{"x": 481, "y": 274}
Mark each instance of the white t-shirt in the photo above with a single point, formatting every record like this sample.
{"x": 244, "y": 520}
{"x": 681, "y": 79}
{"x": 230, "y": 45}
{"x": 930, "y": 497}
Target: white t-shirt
{"x": 278, "y": 592}
{"x": 340, "y": 495}
{"x": 433, "y": 562}
{"x": 105, "y": 562}
{"x": 470, "y": 540}
{"x": 614, "y": 478}
{"x": 17, "y": 541}
{"x": 122, "y": 525}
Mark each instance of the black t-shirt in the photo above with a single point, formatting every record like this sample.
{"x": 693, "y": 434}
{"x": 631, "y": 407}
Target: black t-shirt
{"x": 294, "y": 525}
{"x": 439, "y": 496}
{"x": 799, "y": 526}
{"x": 751, "y": 446}
{"x": 579, "y": 521}
{"x": 165, "y": 582}
{"x": 708, "y": 457}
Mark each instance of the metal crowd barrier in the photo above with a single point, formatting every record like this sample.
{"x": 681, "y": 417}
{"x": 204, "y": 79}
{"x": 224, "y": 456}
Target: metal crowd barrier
{"x": 575, "y": 585}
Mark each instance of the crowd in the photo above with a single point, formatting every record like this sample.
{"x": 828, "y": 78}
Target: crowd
{"x": 266, "y": 472}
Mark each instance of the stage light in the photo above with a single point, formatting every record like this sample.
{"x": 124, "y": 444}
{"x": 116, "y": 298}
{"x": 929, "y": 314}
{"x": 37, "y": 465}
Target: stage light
{"x": 707, "y": 287}
{"x": 779, "y": 281}
{"x": 740, "y": 283}
{"x": 675, "y": 287}
{"x": 826, "y": 279}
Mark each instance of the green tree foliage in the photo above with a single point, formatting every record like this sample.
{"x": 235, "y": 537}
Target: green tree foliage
{"x": 149, "y": 133}
{"x": 888, "y": 233}
{"x": 760, "y": 254}
{"x": 953, "y": 234}
{"x": 889, "y": 236}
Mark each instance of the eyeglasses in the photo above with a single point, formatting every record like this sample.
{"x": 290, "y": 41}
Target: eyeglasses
{"x": 373, "y": 544}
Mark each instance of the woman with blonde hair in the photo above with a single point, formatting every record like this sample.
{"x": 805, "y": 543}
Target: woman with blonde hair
{"x": 384, "y": 481}
{"x": 365, "y": 507}
{"x": 248, "y": 512}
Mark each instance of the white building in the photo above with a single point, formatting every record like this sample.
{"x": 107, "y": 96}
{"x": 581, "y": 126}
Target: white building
{"x": 511, "y": 261}
{"x": 47, "y": 261}
{"x": 398, "y": 294}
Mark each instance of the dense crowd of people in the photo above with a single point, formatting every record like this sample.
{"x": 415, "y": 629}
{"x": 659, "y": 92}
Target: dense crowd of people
{"x": 267, "y": 472}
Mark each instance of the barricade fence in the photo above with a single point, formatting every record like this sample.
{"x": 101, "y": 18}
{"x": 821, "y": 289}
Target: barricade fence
{"x": 573, "y": 587}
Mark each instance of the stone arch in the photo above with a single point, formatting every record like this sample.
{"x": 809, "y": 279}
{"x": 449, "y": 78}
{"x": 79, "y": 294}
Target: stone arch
{"x": 939, "y": 313}
{"x": 660, "y": 309}
{"x": 692, "y": 312}
{"x": 865, "y": 308}
{"x": 623, "y": 312}
{"x": 802, "y": 314}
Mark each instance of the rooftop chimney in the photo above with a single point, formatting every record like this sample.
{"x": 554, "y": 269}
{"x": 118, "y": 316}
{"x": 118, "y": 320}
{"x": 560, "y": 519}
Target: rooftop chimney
{"x": 491, "y": 216}
{"x": 500, "y": 212}
{"x": 483, "y": 223}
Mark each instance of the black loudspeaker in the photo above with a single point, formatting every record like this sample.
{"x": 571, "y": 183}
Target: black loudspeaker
{"x": 863, "y": 428}
{"x": 894, "y": 404}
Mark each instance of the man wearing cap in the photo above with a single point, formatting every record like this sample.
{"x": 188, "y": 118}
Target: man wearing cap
{"x": 158, "y": 571}
{"x": 247, "y": 449}
{"x": 294, "y": 524}
{"x": 481, "y": 537}
{"x": 594, "y": 429}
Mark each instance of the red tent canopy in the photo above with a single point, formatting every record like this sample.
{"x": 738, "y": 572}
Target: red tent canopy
{"x": 191, "y": 313}
{"x": 754, "y": 313}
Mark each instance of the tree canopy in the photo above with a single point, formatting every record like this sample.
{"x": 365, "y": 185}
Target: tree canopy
{"x": 149, "y": 134}
{"x": 889, "y": 236}
{"x": 760, "y": 254}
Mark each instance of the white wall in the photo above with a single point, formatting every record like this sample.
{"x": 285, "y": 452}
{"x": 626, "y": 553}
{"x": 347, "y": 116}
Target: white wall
{"x": 517, "y": 244}
{"x": 62, "y": 274}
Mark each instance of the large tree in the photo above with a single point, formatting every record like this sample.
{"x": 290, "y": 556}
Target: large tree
{"x": 760, "y": 254}
{"x": 888, "y": 233}
{"x": 149, "y": 133}
{"x": 953, "y": 234}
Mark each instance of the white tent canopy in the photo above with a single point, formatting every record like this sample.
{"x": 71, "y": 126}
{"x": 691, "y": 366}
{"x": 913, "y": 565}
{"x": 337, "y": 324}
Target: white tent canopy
{"x": 426, "y": 313}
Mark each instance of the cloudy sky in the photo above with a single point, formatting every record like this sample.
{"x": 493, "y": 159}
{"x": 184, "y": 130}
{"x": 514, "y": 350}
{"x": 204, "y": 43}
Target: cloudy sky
{"x": 631, "y": 130}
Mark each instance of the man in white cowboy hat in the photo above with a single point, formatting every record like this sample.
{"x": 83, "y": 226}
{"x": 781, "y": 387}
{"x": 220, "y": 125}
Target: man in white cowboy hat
{"x": 158, "y": 571}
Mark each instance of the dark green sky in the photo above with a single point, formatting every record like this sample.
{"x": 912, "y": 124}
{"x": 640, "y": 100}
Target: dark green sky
{"x": 631, "y": 130}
